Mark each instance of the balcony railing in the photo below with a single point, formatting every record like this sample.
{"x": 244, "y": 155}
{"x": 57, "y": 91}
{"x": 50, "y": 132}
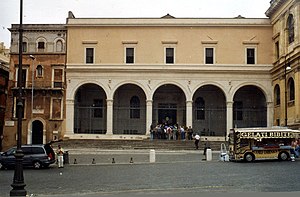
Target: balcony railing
{"x": 41, "y": 84}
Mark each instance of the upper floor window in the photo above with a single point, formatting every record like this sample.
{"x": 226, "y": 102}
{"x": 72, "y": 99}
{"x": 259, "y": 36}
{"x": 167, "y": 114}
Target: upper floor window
{"x": 24, "y": 76}
{"x": 129, "y": 55}
{"x": 59, "y": 46}
{"x": 56, "y": 108}
{"x": 291, "y": 28}
{"x": 277, "y": 95}
{"x": 41, "y": 46}
{"x": 250, "y": 55}
{"x": 58, "y": 78}
{"x": 89, "y": 55}
{"x": 291, "y": 89}
{"x": 209, "y": 55}
{"x": 277, "y": 52}
{"x": 169, "y": 55}
{"x": 134, "y": 107}
{"x": 39, "y": 71}
{"x": 24, "y": 47}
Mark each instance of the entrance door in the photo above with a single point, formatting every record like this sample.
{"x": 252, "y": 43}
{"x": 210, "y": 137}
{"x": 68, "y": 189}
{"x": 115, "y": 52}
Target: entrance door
{"x": 37, "y": 132}
{"x": 167, "y": 113}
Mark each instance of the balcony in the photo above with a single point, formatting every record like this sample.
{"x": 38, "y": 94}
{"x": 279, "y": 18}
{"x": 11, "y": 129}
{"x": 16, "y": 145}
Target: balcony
{"x": 43, "y": 86}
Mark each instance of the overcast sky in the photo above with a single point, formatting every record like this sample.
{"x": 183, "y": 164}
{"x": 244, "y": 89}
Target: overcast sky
{"x": 56, "y": 11}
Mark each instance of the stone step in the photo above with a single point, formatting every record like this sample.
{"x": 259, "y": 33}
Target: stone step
{"x": 137, "y": 144}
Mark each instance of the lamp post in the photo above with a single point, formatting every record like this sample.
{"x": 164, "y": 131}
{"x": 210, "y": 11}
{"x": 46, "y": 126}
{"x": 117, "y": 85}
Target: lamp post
{"x": 18, "y": 184}
{"x": 286, "y": 68}
{"x": 32, "y": 88}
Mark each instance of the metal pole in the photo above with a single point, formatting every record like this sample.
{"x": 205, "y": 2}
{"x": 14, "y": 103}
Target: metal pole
{"x": 285, "y": 94}
{"x": 18, "y": 184}
{"x": 32, "y": 93}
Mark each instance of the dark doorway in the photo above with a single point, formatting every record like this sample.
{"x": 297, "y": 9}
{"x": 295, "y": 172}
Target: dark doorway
{"x": 37, "y": 132}
{"x": 167, "y": 116}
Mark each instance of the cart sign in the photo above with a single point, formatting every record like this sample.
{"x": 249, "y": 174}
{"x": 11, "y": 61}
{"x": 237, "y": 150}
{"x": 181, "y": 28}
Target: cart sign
{"x": 262, "y": 134}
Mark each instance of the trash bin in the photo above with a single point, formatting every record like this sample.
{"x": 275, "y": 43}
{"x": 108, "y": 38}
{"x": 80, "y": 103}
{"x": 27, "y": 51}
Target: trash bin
{"x": 208, "y": 154}
{"x": 66, "y": 157}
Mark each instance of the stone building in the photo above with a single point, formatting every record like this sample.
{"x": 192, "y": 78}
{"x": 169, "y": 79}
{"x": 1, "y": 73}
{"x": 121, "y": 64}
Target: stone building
{"x": 43, "y": 75}
{"x": 124, "y": 75}
{"x": 4, "y": 73}
{"x": 285, "y": 20}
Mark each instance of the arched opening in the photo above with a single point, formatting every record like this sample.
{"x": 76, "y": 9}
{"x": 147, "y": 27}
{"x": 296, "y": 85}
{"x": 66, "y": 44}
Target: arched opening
{"x": 169, "y": 106}
{"x": 90, "y": 110}
{"x": 37, "y": 132}
{"x": 129, "y": 110}
{"x": 249, "y": 108}
{"x": 209, "y": 111}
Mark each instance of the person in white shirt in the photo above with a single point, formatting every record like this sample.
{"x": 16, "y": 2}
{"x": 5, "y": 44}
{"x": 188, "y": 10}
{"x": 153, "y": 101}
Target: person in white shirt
{"x": 197, "y": 139}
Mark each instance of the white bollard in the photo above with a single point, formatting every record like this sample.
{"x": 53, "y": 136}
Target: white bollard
{"x": 208, "y": 154}
{"x": 152, "y": 156}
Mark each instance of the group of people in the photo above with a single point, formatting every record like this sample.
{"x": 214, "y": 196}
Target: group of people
{"x": 171, "y": 132}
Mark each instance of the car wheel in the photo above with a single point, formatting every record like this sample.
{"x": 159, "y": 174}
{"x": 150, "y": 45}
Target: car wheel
{"x": 283, "y": 156}
{"x": 249, "y": 157}
{"x": 37, "y": 165}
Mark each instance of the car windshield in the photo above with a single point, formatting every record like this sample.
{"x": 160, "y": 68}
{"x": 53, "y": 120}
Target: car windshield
{"x": 11, "y": 151}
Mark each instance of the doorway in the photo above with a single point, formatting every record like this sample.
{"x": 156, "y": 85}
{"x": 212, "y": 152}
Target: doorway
{"x": 37, "y": 132}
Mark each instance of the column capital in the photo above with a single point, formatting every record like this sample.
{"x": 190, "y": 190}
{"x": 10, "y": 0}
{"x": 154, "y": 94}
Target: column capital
{"x": 149, "y": 101}
{"x": 189, "y": 102}
{"x": 229, "y": 103}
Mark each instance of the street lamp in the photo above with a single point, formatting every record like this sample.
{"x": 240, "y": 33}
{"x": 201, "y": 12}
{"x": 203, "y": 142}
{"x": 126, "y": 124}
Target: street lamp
{"x": 32, "y": 88}
{"x": 286, "y": 68}
{"x": 18, "y": 184}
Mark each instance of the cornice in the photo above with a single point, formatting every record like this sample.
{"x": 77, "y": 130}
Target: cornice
{"x": 182, "y": 68}
{"x": 207, "y": 22}
{"x": 275, "y": 4}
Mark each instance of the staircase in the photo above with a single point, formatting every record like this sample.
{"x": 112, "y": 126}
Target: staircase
{"x": 137, "y": 144}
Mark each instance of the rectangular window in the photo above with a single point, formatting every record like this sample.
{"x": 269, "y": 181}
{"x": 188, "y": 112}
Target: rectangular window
{"x": 129, "y": 55}
{"x": 56, "y": 111}
{"x": 89, "y": 55}
{"x": 58, "y": 78}
{"x": 41, "y": 46}
{"x": 169, "y": 55}
{"x": 209, "y": 55}
{"x": 24, "y": 47}
{"x": 277, "y": 50}
{"x": 250, "y": 56}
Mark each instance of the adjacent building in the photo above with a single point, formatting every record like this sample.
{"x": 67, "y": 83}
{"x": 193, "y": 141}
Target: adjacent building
{"x": 285, "y": 20}
{"x": 43, "y": 76}
{"x": 4, "y": 74}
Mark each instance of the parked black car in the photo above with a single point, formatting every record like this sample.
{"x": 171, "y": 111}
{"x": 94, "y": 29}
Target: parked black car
{"x": 35, "y": 155}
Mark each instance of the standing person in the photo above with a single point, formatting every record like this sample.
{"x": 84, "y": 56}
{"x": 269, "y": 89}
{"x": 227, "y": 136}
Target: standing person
{"x": 206, "y": 146}
{"x": 182, "y": 133}
{"x": 190, "y": 133}
{"x": 197, "y": 139}
{"x": 60, "y": 156}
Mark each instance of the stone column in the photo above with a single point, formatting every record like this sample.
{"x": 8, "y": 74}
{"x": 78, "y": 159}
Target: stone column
{"x": 109, "y": 123}
{"x": 149, "y": 104}
{"x": 189, "y": 113}
{"x": 229, "y": 117}
{"x": 270, "y": 114}
{"x": 69, "y": 117}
